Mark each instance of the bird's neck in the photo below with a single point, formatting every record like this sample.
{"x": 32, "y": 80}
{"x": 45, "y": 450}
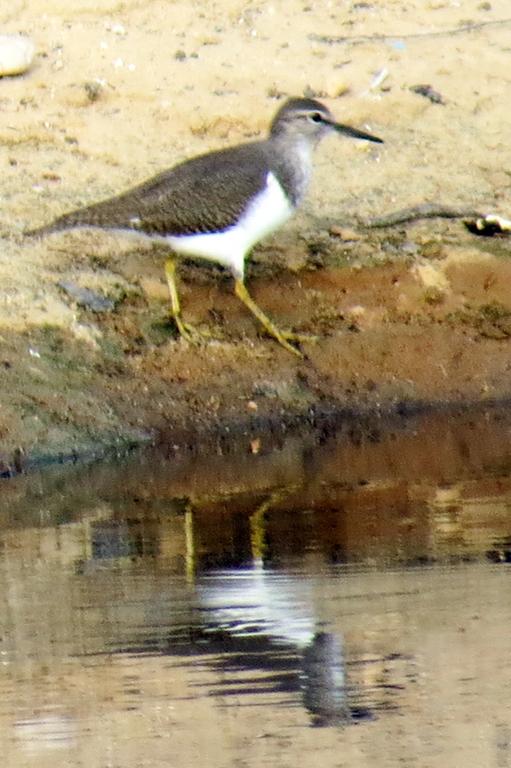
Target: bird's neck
{"x": 292, "y": 157}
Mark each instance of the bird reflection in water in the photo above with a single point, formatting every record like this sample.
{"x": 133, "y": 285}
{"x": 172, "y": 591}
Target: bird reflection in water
{"x": 265, "y": 619}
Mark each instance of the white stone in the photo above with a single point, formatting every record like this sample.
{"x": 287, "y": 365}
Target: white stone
{"x": 16, "y": 54}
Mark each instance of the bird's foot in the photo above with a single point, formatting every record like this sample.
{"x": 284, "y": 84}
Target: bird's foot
{"x": 281, "y": 337}
{"x": 188, "y": 332}
{"x": 299, "y": 338}
{"x": 288, "y": 338}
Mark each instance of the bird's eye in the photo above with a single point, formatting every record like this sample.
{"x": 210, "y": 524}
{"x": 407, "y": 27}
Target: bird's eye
{"x": 316, "y": 117}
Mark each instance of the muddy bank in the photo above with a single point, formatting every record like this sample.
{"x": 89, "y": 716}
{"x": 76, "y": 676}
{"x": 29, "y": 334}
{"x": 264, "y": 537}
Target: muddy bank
{"x": 396, "y": 334}
{"x": 416, "y": 314}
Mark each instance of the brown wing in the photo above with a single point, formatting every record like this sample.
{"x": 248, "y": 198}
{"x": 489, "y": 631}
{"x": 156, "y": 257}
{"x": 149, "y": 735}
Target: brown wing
{"x": 204, "y": 194}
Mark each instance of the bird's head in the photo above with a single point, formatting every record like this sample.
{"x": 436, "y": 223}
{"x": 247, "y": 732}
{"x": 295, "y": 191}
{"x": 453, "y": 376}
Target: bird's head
{"x": 311, "y": 120}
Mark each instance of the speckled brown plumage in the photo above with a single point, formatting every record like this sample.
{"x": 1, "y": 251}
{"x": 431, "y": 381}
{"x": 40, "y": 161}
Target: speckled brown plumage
{"x": 209, "y": 193}
{"x": 205, "y": 194}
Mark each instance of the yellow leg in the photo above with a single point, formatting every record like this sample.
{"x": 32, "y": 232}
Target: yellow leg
{"x": 281, "y": 336}
{"x": 186, "y": 331}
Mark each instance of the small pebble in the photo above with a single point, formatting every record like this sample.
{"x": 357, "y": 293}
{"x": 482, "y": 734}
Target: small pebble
{"x": 356, "y": 312}
{"x": 84, "y": 297}
{"x": 93, "y": 89}
{"x": 265, "y": 389}
{"x": 311, "y": 93}
{"x": 118, "y": 29}
{"x": 429, "y": 93}
{"x": 344, "y": 233}
{"x": 379, "y": 78}
{"x": 16, "y": 54}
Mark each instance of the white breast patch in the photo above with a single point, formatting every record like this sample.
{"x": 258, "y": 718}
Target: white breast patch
{"x": 265, "y": 213}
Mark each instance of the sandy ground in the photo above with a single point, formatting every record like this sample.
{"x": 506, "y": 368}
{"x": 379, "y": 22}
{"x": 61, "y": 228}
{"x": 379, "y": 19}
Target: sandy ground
{"x": 121, "y": 90}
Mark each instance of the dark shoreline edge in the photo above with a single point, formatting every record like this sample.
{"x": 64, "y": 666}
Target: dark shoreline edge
{"x": 323, "y": 420}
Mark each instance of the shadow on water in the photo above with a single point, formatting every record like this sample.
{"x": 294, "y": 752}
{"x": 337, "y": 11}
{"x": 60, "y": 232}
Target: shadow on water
{"x": 282, "y": 577}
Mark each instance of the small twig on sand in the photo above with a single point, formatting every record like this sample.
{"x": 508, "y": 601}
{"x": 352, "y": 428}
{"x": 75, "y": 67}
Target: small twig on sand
{"x": 356, "y": 40}
{"x": 422, "y": 211}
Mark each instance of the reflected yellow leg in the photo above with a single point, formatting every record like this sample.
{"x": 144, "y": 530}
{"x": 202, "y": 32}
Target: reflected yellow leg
{"x": 191, "y": 549}
{"x": 259, "y": 522}
{"x": 186, "y": 331}
{"x": 281, "y": 336}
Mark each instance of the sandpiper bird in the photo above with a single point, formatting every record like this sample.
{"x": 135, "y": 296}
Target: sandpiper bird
{"x": 218, "y": 205}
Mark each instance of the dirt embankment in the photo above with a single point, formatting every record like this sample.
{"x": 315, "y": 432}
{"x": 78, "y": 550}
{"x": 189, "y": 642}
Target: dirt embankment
{"x": 419, "y": 312}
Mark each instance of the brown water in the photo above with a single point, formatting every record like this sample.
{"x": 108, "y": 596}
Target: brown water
{"x": 342, "y": 602}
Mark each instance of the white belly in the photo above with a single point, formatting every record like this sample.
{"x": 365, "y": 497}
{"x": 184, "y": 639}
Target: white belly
{"x": 266, "y": 213}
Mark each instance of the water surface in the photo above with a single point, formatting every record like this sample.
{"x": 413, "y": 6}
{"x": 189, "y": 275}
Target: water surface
{"x": 334, "y": 600}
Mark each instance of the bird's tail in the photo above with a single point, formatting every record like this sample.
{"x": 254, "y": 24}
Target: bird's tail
{"x": 46, "y": 229}
{"x": 66, "y": 221}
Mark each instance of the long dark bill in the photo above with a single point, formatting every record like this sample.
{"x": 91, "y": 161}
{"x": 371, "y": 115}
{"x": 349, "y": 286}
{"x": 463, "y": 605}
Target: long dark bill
{"x": 355, "y": 133}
